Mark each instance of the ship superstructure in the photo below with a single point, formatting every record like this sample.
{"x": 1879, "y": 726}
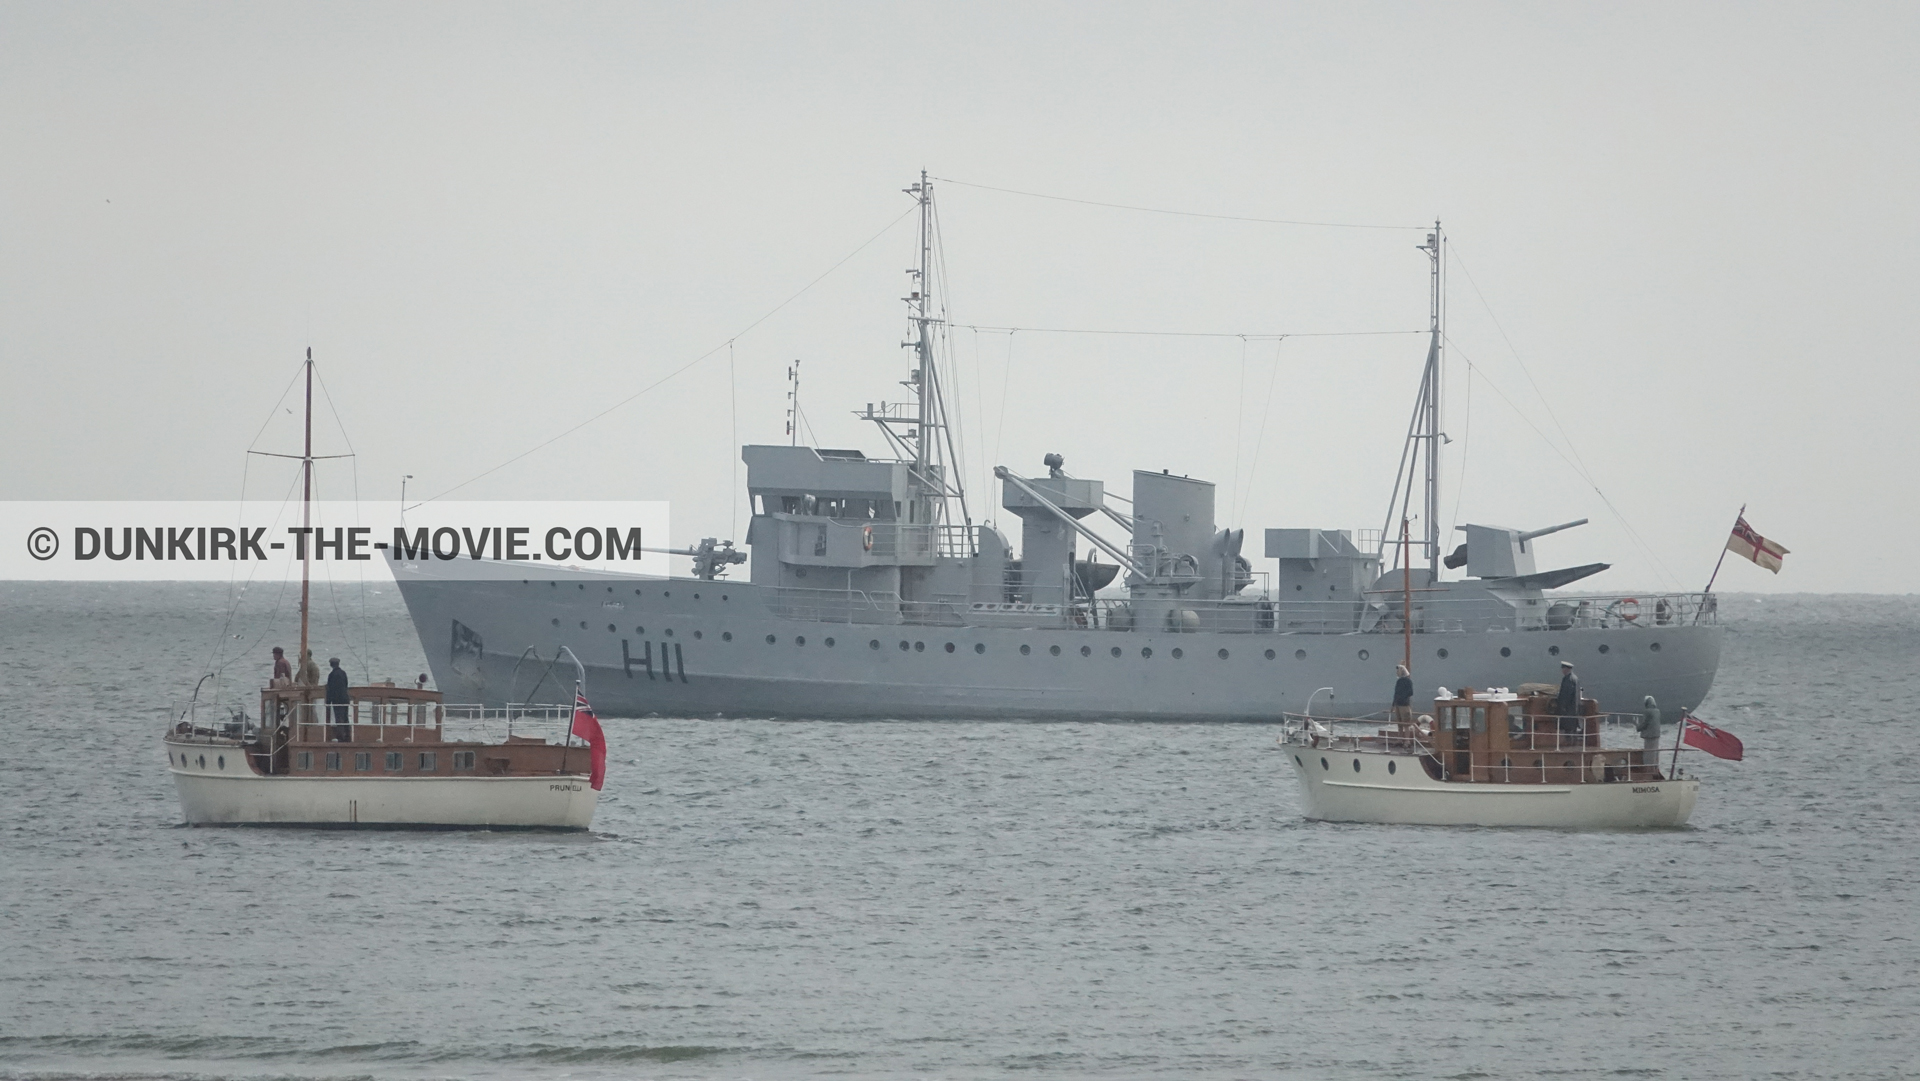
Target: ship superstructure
{"x": 873, "y": 592}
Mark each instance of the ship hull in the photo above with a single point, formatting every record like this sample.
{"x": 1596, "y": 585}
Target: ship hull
{"x": 1344, "y": 786}
{"x": 236, "y": 796}
{"x": 686, "y": 647}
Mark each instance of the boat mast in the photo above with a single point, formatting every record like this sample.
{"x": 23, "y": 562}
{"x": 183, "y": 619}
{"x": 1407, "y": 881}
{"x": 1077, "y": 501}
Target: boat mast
{"x": 306, "y": 510}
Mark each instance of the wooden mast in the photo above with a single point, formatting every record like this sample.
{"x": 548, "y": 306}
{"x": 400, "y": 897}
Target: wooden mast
{"x": 306, "y": 510}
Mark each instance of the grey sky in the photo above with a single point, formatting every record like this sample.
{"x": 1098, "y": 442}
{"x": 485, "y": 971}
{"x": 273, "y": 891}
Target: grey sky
{"x": 1696, "y": 225}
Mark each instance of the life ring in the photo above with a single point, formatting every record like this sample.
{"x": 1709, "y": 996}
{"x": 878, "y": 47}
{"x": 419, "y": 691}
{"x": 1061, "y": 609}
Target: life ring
{"x": 1629, "y": 608}
{"x": 866, "y": 537}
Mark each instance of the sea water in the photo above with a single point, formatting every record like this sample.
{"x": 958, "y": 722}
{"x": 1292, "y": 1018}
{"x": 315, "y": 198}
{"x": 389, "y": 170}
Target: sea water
{"x": 766, "y": 899}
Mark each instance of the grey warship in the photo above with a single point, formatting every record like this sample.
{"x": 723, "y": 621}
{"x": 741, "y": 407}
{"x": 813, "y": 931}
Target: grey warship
{"x": 872, "y": 593}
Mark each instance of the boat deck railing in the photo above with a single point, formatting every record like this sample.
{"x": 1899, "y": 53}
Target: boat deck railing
{"x": 397, "y": 722}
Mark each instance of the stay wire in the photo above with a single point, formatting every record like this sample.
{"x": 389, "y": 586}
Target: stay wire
{"x": 775, "y": 310}
{"x": 1178, "y": 213}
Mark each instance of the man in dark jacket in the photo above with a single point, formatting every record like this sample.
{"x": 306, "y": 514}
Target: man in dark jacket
{"x": 337, "y": 699}
{"x": 1567, "y": 704}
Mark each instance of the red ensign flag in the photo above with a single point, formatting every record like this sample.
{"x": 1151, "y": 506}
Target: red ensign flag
{"x": 1714, "y": 741}
{"x": 1762, "y": 551}
{"x": 587, "y": 727}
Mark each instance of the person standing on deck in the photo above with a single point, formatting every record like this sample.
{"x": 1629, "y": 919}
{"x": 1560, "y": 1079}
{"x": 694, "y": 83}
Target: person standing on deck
{"x": 1403, "y": 696}
{"x": 282, "y": 669}
{"x": 337, "y": 699}
{"x": 1649, "y": 729}
{"x": 1567, "y": 704}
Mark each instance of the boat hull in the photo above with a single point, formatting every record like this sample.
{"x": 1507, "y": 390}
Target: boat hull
{"x": 239, "y": 797}
{"x": 1334, "y": 790}
{"x": 690, "y": 648}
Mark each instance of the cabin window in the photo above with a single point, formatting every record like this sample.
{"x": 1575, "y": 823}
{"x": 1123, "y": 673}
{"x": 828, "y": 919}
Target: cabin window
{"x": 1299, "y": 654}
{"x": 1223, "y": 654}
{"x": 362, "y": 761}
{"x": 1506, "y": 651}
{"x": 1479, "y": 718}
{"x": 396, "y": 761}
{"x": 463, "y": 760}
{"x": 429, "y": 761}
{"x": 1390, "y": 766}
{"x": 1269, "y": 654}
{"x": 304, "y": 760}
{"x": 1178, "y": 653}
{"x": 333, "y": 761}
{"x": 1025, "y": 650}
{"x": 1146, "y": 651}
{"x": 1055, "y": 650}
{"x": 203, "y": 761}
{"x": 979, "y": 647}
{"x": 221, "y": 761}
{"x": 1086, "y": 651}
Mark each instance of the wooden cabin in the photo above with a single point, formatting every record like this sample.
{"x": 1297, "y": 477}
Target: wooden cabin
{"x": 1515, "y": 739}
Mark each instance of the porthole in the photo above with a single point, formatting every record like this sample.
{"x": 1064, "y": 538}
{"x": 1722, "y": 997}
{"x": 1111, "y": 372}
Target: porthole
{"x": 1506, "y": 651}
{"x": 1146, "y": 651}
{"x": 556, "y": 621}
{"x": 1323, "y": 764}
{"x": 949, "y": 647}
{"x": 772, "y": 639}
{"x": 611, "y": 629}
{"x": 1655, "y": 646}
{"x": 203, "y": 761}
{"x": 726, "y": 636}
{"x": 1553, "y": 651}
{"x": 723, "y": 596}
{"x": 609, "y": 589}
{"x": 919, "y": 647}
{"x": 979, "y": 647}
{"x": 1026, "y": 650}
{"x": 583, "y": 624}
{"x": 1441, "y": 653}
{"x": 1604, "y": 648}
{"x": 1356, "y": 765}
{"x": 556, "y": 585}
{"x": 905, "y": 645}
{"x": 873, "y": 643}
{"x": 668, "y": 632}
{"x": 800, "y": 640}
{"x": 1222, "y": 654}
{"x": 636, "y": 593}
{"x": 1086, "y": 651}
{"x": 696, "y": 596}
{"x": 581, "y": 585}
{"x": 1299, "y": 654}
{"x": 221, "y": 761}
{"x": 1364, "y": 655}
{"x": 1271, "y": 654}
{"x": 1178, "y": 653}
{"x": 699, "y": 634}
{"x": 1055, "y": 650}
{"x": 666, "y": 593}
{"x": 1392, "y": 766}
{"x": 828, "y": 643}
{"x": 1116, "y": 651}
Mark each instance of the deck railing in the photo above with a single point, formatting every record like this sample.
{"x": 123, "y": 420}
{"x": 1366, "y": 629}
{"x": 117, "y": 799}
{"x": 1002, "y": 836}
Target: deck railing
{"x": 1604, "y": 761}
{"x": 397, "y": 722}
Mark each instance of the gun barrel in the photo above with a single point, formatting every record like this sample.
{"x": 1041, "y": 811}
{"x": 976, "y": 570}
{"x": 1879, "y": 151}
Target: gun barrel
{"x": 1529, "y": 535}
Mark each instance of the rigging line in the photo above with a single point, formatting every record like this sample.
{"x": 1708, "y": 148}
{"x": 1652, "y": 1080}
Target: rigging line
{"x": 1253, "y": 468}
{"x": 365, "y": 635}
{"x": 1578, "y": 471}
{"x": 226, "y": 661}
{"x": 1200, "y": 333}
{"x": 276, "y": 405}
{"x": 1006, "y": 376}
{"x": 1239, "y": 419}
{"x": 741, "y": 333}
{"x": 1524, "y": 370}
{"x": 733, "y": 418}
{"x": 217, "y": 658}
{"x": 1176, "y": 213}
{"x": 1466, "y": 442}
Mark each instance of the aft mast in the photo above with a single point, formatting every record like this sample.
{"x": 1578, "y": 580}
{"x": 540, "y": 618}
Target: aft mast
{"x": 306, "y": 511}
{"x": 1421, "y": 454}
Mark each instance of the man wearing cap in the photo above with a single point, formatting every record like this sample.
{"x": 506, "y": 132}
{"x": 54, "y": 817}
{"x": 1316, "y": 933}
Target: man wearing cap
{"x": 282, "y": 669}
{"x": 1567, "y": 704}
{"x": 1403, "y": 696}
